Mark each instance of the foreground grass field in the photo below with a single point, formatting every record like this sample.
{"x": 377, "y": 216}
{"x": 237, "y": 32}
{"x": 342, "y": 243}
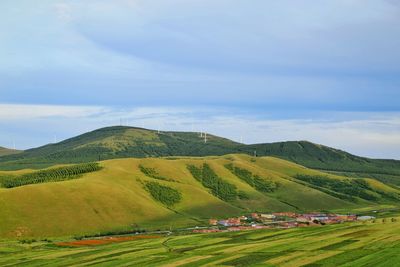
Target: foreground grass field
{"x": 117, "y": 197}
{"x": 350, "y": 244}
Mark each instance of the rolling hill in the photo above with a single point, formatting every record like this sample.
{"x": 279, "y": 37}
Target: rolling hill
{"x": 333, "y": 160}
{"x": 6, "y": 151}
{"x": 159, "y": 193}
{"x": 125, "y": 142}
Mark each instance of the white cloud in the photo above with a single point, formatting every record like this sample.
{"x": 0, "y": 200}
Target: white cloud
{"x": 23, "y": 112}
{"x": 63, "y": 11}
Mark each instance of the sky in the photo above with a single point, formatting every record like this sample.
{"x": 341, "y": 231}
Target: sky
{"x": 257, "y": 71}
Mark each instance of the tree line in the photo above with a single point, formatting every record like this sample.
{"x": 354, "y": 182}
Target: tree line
{"x": 49, "y": 175}
{"x": 255, "y": 181}
{"x": 152, "y": 172}
{"x": 209, "y": 179}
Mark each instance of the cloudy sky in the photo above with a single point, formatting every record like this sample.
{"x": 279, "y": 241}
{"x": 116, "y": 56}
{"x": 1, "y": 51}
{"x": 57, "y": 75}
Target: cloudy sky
{"x": 260, "y": 71}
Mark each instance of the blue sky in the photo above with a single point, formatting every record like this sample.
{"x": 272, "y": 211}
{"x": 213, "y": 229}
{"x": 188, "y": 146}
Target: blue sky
{"x": 324, "y": 71}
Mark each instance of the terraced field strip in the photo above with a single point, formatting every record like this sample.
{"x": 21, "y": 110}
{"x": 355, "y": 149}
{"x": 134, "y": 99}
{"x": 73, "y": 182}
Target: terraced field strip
{"x": 357, "y": 244}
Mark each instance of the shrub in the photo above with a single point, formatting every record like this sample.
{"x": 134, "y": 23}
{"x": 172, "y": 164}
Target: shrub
{"x": 151, "y": 172}
{"x": 197, "y": 173}
{"x": 27, "y": 241}
{"x": 243, "y": 195}
{"x": 254, "y": 181}
{"x": 164, "y": 194}
{"x": 264, "y": 185}
{"x": 210, "y": 179}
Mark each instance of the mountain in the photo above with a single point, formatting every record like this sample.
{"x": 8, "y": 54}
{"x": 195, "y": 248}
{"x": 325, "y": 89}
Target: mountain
{"x": 120, "y": 142}
{"x": 159, "y": 193}
{"x": 6, "y": 151}
{"x": 124, "y": 142}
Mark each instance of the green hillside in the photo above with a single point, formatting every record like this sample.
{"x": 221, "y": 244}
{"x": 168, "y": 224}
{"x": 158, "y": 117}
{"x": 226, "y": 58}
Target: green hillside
{"x": 125, "y": 142}
{"x": 159, "y": 193}
{"x": 6, "y": 151}
{"x": 329, "y": 159}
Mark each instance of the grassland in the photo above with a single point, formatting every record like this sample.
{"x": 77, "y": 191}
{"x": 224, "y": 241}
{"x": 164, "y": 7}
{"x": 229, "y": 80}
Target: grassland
{"x": 115, "y": 198}
{"x": 349, "y": 244}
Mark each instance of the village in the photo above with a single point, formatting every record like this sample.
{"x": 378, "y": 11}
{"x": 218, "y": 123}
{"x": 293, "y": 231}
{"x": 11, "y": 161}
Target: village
{"x": 280, "y": 220}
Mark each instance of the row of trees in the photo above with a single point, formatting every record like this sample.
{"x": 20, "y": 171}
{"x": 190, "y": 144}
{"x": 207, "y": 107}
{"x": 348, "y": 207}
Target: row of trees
{"x": 254, "y": 181}
{"x": 50, "y": 175}
{"x": 350, "y": 187}
{"x": 210, "y": 179}
{"x": 151, "y": 172}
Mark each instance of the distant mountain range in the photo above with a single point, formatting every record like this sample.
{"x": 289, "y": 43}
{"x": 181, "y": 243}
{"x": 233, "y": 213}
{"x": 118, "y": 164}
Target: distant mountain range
{"x": 124, "y": 142}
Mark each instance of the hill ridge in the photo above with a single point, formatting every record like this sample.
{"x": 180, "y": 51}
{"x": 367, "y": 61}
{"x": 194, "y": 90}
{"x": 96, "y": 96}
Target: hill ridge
{"x": 8, "y": 151}
{"x": 126, "y": 141}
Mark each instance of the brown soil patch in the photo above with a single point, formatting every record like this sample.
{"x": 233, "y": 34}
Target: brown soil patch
{"x": 104, "y": 240}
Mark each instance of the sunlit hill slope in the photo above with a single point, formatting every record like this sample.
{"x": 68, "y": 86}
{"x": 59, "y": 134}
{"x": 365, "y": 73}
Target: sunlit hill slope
{"x": 159, "y": 193}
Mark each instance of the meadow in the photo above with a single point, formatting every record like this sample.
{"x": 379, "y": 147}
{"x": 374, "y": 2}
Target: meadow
{"x": 124, "y": 195}
{"x": 372, "y": 243}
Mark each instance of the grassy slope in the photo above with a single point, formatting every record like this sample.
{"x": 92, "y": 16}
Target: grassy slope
{"x": 6, "y": 151}
{"x": 349, "y": 244}
{"x": 123, "y": 142}
{"x": 329, "y": 159}
{"x": 114, "y": 198}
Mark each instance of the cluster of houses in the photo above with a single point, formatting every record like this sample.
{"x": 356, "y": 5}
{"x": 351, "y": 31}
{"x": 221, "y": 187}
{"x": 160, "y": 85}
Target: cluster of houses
{"x": 277, "y": 220}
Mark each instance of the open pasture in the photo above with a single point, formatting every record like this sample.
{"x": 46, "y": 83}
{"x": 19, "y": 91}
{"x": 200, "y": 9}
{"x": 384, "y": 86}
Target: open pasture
{"x": 349, "y": 244}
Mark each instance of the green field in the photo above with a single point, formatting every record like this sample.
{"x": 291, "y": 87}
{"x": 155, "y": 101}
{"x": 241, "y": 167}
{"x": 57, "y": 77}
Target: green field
{"x": 349, "y": 244}
{"x": 162, "y": 193}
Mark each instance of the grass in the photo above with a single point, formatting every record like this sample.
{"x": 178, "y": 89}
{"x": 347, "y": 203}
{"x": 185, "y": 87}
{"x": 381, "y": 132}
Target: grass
{"x": 115, "y": 199}
{"x": 331, "y": 245}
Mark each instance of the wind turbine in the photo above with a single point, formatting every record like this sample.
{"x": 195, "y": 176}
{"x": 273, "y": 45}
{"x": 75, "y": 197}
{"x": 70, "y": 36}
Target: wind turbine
{"x": 205, "y": 137}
